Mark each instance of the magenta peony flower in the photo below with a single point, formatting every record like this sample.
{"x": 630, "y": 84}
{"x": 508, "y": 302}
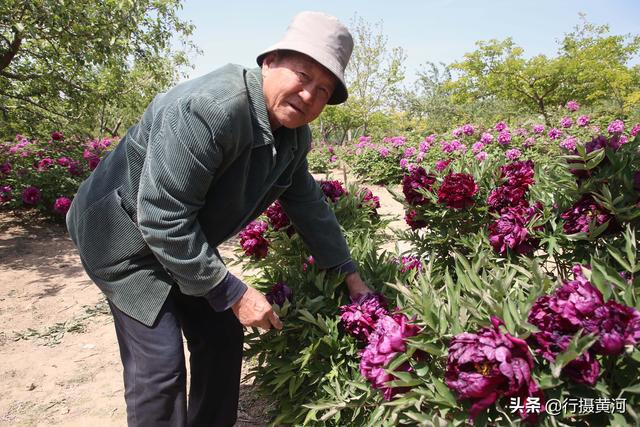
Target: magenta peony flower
{"x": 583, "y": 120}
{"x": 424, "y": 146}
{"x": 279, "y": 293}
{"x": 63, "y": 161}
{"x": 45, "y": 163}
{"x": 252, "y": 240}
{"x": 554, "y": 133}
{"x": 61, "y": 205}
{"x": 442, "y": 164}
{"x": 409, "y": 152}
{"x": 277, "y": 217}
{"x": 31, "y": 195}
{"x": 409, "y": 263}
{"x": 396, "y": 141}
{"x": 528, "y": 142}
{"x": 416, "y": 180}
{"x": 616, "y": 126}
{"x": 5, "y": 168}
{"x": 572, "y": 106}
{"x": 383, "y": 151}
{"x": 6, "y": 193}
{"x": 569, "y": 143}
{"x": 457, "y": 191}
{"x": 566, "y": 122}
{"x": 410, "y": 219}
{"x": 504, "y": 137}
{"x": 359, "y": 318}
{"x": 468, "y": 129}
{"x": 538, "y": 129}
{"x": 57, "y": 136}
{"x": 333, "y": 190}
{"x": 403, "y": 163}
{"x": 368, "y": 199}
{"x": 486, "y": 138}
{"x": 385, "y": 343}
{"x": 510, "y": 231}
{"x": 578, "y": 218}
{"x": 364, "y": 139}
{"x": 477, "y": 147}
{"x": 635, "y": 130}
{"x": 616, "y": 325}
{"x": 74, "y": 168}
{"x": 513, "y": 154}
{"x": 308, "y": 263}
{"x": 505, "y": 196}
{"x": 488, "y": 365}
{"x": 482, "y": 156}
{"x": 518, "y": 174}
{"x": 500, "y": 126}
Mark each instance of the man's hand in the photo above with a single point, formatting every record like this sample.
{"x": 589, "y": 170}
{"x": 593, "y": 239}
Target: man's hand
{"x": 356, "y": 285}
{"x": 253, "y": 309}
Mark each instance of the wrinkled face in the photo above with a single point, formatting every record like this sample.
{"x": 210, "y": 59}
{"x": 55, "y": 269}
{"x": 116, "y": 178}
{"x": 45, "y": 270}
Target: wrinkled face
{"x": 296, "y": 89}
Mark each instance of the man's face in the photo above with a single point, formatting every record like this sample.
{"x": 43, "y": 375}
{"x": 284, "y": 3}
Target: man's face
{"x": 296, "y": 89}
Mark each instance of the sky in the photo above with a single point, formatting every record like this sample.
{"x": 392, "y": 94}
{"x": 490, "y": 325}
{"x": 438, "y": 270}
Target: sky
{"x": 429, "y": 30}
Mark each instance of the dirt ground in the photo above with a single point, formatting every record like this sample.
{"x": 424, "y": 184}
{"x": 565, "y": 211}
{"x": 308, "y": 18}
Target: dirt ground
{"x": 59, "y": 361}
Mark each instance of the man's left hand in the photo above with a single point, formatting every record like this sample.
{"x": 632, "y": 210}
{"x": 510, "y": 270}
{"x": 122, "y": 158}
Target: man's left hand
{"x": 357, "y": 287}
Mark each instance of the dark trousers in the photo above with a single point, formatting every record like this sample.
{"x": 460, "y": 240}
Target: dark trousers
{"x": 154, "y": 364}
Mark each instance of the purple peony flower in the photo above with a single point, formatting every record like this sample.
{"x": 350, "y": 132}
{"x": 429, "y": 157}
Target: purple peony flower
{"x": 385, "y": 343}
{"x": 403, "y": 163}
{"x": 554, "y": 133}
{"x": 412, "y": 221}
{"x": 616, "y": 325}
{"x": 333, "y": 190}
{"x": 5, "y": 168}
{"x": 277, "y": 216}
{"x": 506, "y": 196}
{"x": 61, "y": 205}
{"x": 569, "y": 143}
{"x": 578, "y": 218}
{"x": 457, "y": 191}
{"x": 482, "y": 156}
{"x": 488, "y": 365}
{"x": 572, "y": 106}
{"x": 457, "y": 132}
{"x": 252, "y": 240}
{"x": 486, "y": 138}
{"x": 583, "y": 120}
{"x": 468, "y": 129}
{"x": 383, "y": 151}
{"x": 518, "y": 174}
{"x": 635, "y": 130}
{"x": 409, "y": 263}
{"x": 424, "y": 146}
{"x": 616, "y": 126}
{"x": 504, "y": 137}
{"x": 6, "y": 193}
{"x": 500, "y": 126}
{"x": 398, "y": 141}
{"x": 279, "y": 293}
{"x": 442, "y": 164}
{"x": 418, "y": 179}
{"x": 359, "y": 318}
{"x": 566, "y": 122}
{"x": 31, "y": 195}
{"x": 477, "y": 147}
{"x": 538, "y": 129}
{"x": 513, "y": 154}
{"x": 510, "y": 231}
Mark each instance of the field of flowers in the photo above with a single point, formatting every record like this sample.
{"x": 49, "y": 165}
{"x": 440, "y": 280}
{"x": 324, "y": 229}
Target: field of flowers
{"x": 516, "y": 302}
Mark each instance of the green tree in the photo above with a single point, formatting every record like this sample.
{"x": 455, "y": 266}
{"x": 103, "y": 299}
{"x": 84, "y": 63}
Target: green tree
{"x": 372, "y": 76}
{"x": 85, "y": 66}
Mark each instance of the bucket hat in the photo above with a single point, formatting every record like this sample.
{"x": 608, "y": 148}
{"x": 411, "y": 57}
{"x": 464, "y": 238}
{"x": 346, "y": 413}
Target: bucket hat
{"x": 323, "y": 38}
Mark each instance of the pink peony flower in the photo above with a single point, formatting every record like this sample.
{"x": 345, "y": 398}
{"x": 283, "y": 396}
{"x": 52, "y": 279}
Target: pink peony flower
{"x": 583, "y": 120}
{"x": 31, "y": 195}
{"x": 477, "y": 147}
{"x": 383, "y": 151}
{"x": 572, "y": 106}
{"x": 442, "y": 164}
{"x": 616, "y": 126}
{"x": 468, "y": 129}
{"x": 554, "y": 133}
{"x": 61, "y": 205}
{"x": 63, "y": 161}
{"x": 486, "y": 138}
{"x": 409, "y": 263}
{"x": 457, "y": 191}
{"x": 538, "y": 129}
{"x": 569, "y": 143}
{"x": 252, "y": 240}
{"x": 635, "y": 130}
{"x": 504, "y": 137}
{"x": 368, "y": 199}
{"x": 486, "y": 366}
{"x": 481, "y": 156}
{"x": 513, "y": 154}
{"x": 566, "y": 122}
{"x": 45, "y": 163}
{"x": 500, "y": 126}
{"x": 409, "y": 152}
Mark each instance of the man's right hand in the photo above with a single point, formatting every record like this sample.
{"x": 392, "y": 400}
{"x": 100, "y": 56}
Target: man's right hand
{"x": 253, "y": 309}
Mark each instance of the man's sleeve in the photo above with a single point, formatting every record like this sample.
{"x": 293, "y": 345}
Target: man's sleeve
{"x": 183, "y": 153}
{"x": 307, "y": 208}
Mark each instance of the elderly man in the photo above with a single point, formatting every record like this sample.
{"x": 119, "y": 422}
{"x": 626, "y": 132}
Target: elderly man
{"x": 206, "y": 158}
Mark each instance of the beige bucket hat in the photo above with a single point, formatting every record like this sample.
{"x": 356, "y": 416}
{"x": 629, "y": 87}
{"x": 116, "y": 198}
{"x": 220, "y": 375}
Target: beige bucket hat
{"x": 323, "y": 38}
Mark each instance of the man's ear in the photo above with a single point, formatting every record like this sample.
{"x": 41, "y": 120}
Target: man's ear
{"x": 269, "y": 60}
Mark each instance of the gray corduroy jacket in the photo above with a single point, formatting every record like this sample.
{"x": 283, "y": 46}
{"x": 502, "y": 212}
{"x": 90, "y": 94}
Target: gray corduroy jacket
{"x": 200, "y": 165}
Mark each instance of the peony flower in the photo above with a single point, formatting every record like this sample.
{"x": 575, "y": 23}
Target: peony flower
{"x": 424, "y": 146}
{"x": 566, "y": 122}
{"x": 364, "y": 140}
{"x": 554, "y": 133}
{"x": 383, "y": 151}
{"x": 457, "y": 191}
{"x": 333, "y": 159}
{"x": 578, "y": 218}
{"x": 368, "y": 199}
{"x": 513, "y": 154}
{"x": 504, "y": 137}
{"x": 506, "y": 196}
{"x": 359, "y": 318}
{"x": 482, "y": 156}
{"x": 277, "y": 216}
{"x": 398, "y": 141}
{"x": 403, "y": 163}
{"x": 510, "y": 231}
{"x": 457, "y": 132}
{"x": 572, "y": 106}
{"x": 61, "y": 205}
{"x": 74, "y": 168}
{"x": 410, "y": 219}
{"x": 616, "y": 126}
{"x": 409, "y": 263}
{"x": 57, "y": 136}
{"x": 385, "y": 343}
{"x": 528, "y": 142}
{"x": 279, "y": 293}
{"x": 518, "y": 174}
{"x": 31, "y": 195}
{"x": 333, "y": 190}
{"x": 500, "y": 126}
{"x": 45, "y": 163}
{"x": 5, "y": 168}
{"x": 409, "y": 152}
{"x": 522, "y": 132}
{"x": 63, "y": 161}
{"x": 486, "y": 138}
{"x": 488, "y": 365}
{"x": 477, "y": 147}
{"x": 616, "y": 325}
{"x": 538, "y": 129}
{"x": 6, "y": 193}
{"x": 442, "y": 164}
{"x": 309, "y": 262}
{"x": 468, "y": 129}
{"x": 569, "y": 143}
{"x": 252, "y": 240}
{"x": 418, "y": 179}
{"x": 583, "y": 120}
{"x": 635, "y": 130}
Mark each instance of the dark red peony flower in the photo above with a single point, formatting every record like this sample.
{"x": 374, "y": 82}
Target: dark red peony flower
{"x": 417, "y": 179}
{"x": 278, "y": 218}
{"x": 57, "y": 136}
{"x": 616, "y": 325}
{"x": 506, "y": 196}
{"x": 457, "y": 191}
{"x": 333, "y": 190}
{"x": 31, "y": 195}
{"x": 279, "y": 293}
{"x": 518, "y": 174}
{"x": 252, "y": 240}
{"x": 412, "y": 221}
{"x": 510, "y": 231}
{"x": 579, "y": 217}
{"x": 488, "y": 365}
